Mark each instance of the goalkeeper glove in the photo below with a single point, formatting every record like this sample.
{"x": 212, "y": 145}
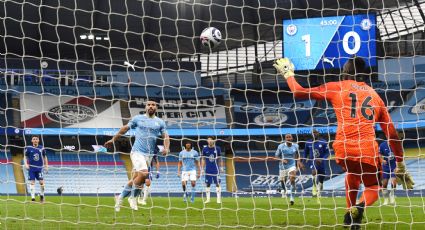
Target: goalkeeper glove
{"x": 284, "y": 67}
{"x": 403, "y": 177}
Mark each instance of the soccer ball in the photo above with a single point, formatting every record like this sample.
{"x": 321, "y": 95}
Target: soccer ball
{"x": 210, "y": 37}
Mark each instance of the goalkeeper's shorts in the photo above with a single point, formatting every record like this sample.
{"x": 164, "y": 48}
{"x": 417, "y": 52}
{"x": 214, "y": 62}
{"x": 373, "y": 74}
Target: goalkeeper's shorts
{"x": 367, "y": 174}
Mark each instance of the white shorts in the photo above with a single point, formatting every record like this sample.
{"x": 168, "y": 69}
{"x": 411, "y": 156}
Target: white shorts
{"x": 140, "y": 161}
{"x": 285, "y": 172}
{"x": 189, "y": 175}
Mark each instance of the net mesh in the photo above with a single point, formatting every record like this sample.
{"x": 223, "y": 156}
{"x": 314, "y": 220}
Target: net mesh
{"x": 74, "y": 72}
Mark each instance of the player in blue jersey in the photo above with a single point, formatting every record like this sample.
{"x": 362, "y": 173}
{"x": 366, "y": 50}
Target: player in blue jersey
{"x": 147, "y": 187}
{"x": 147, "y": 129}
{"x": 35, "y": 161}
{"x": 388, "y": 172}
{"x": 189, "y": 167}
{"x": 211, "y": 154}
{"x": 316, "y": 151}
{"x": 288, "y": 155}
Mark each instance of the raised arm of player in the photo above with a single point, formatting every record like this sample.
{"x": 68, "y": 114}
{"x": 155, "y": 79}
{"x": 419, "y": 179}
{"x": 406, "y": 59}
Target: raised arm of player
{"x": 285, "y": 68}
{"x": 121, "y": 132}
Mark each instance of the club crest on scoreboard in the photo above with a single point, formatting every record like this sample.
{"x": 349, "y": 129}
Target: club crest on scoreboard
{"x": 70, "y": 113}
{"x": 270, "y": 119}
{"x": 291, "y": 29}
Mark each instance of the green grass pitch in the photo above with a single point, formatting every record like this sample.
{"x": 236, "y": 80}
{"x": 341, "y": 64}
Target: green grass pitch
{"x": 241, "y": 213}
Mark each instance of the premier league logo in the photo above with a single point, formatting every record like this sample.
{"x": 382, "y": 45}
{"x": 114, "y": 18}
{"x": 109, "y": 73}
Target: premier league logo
{"x": 70, "y": 114}
{"x": 291, "y": 29}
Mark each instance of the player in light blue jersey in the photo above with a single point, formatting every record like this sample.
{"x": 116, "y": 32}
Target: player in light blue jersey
{"x": 147, "y": 129}
{"x": 288, "y": 155}
{"x": 189, "y": 167}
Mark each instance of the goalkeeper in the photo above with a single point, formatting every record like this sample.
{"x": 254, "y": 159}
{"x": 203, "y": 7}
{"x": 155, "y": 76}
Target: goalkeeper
{"x": 357, "y": 107}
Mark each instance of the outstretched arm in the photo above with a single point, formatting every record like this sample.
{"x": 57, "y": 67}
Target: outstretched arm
{"x": 285, "y": 68}
{"x": 121, "y": 132}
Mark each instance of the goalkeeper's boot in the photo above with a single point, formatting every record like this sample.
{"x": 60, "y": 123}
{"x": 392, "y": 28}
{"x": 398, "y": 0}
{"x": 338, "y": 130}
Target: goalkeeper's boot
{"x": 292, "y": 200}
{"x": 347, "y": 219}
{"x": 33, "y": 199}
{"x": 41, "y": 198}
{"x": 357, "y": 214}
{"x": 118, "y": 203}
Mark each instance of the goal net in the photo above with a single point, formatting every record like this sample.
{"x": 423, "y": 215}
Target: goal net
{"x": 75, "y": 72}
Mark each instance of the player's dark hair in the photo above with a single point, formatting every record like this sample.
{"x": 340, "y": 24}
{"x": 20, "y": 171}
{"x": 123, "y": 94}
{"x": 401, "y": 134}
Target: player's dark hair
{"x": 212, "y": 137}
{"x": 354, "y": 68}
{"x": 32, "y": 136}
{"x": 187, "y": 142}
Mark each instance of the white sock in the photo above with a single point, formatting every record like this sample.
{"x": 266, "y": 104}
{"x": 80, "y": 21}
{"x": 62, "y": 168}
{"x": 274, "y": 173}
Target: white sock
{"x": 208, "y": 192}
{"x": 146, "y": 191}
{"x": 392, "y": 193}
{"x": 32, "y": 190}
{"x": 384, "y": 193}
{"x": 42, "y": 190}
{"x": 218, "y": 190}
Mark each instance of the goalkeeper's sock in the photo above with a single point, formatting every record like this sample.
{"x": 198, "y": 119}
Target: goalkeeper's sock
{"x": 125, "y": 192}
{"x": 32, "y": 190}
{"x": 42, "y": 190}
{"x": 208, "y": 193}
{"x": 370, "y": 195}
{"x": 352, "y": 184}
{"x": 146, "y": 191}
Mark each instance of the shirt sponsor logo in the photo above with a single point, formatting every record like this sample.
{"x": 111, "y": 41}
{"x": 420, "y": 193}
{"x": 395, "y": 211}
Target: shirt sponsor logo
{"x": 70, "y": 114}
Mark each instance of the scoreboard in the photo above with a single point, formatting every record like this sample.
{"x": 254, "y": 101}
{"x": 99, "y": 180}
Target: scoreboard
{"x": 327, "y": 42}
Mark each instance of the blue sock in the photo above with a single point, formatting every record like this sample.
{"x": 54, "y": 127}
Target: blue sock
{"x": 193, "y": 192}
{"x": 137, "y": 192}
{"x": 125, "y": 192}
